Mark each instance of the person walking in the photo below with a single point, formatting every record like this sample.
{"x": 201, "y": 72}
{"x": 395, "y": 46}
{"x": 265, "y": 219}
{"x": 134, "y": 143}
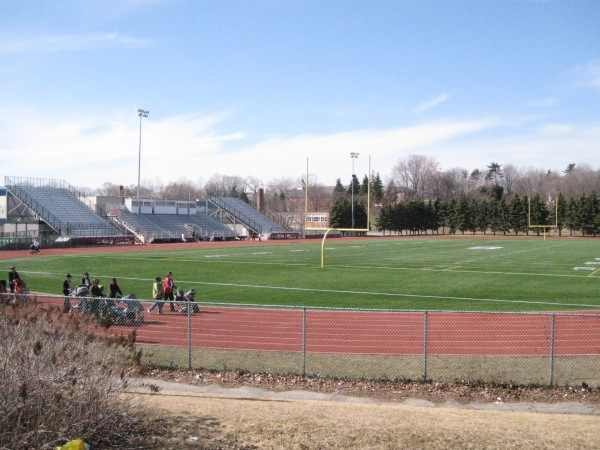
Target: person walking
{"x": 114, "y": 291}
{"x": 95, "y": 305}
{"x": 86, "y": 281}
{"x": 13, "y": 276}
{"x": 158, "y": 295}
{"x": 169, "y": 290}
{"x": 67, "y": 293}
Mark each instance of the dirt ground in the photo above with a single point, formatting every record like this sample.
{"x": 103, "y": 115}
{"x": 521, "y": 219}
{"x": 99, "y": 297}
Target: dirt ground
{"x": 364, "y": 415}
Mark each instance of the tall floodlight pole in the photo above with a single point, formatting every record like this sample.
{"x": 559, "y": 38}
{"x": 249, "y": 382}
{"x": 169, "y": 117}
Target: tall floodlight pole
{"x": 141, "y": 113}
{"x": 353, "y": 155}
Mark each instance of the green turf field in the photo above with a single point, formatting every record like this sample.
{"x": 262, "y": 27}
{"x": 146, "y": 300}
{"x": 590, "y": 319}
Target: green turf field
{"x": 492, "y": 274}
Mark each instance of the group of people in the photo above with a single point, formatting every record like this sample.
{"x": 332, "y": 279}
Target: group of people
{"x": 92, "y": 289}
{"x": 15, "y": 283}
{"x": 162, "y": 291}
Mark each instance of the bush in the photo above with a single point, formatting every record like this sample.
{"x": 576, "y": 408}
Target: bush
{"x": 60, "y": 380}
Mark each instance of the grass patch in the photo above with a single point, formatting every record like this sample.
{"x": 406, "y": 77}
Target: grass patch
{"x": 519, "y": 370}
{"x": 527, "y": 274}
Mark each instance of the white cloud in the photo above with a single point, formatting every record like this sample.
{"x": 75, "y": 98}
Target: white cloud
{"x": 69, "y": 42}
{"x": 543, "y": 102}
{"x": 428, "y": 104}
{"x": 87, "y": 151}
{"x": 587, "y": 75}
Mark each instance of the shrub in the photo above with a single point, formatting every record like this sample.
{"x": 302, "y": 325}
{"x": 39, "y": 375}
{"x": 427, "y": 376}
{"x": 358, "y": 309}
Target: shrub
{"x": 61, "y": 378}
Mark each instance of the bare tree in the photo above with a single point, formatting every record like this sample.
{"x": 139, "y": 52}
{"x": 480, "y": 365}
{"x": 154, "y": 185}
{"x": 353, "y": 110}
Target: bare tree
{"x": 319, "y": 197}
{"x": 253, "y": 184}
{"x": 181, "y": 190}
{"x": 415, "y": 174}
{"x": 225, "y": 186}
{"x": 580, "y": 179}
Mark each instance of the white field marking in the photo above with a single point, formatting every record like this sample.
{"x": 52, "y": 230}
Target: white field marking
{"x": 593, "y": 263}
{"x": 494, "y": 272}
{"x": 216, "y": 256}
{"x": 388, "y": 294}
{"x": 484, "y": 248}
{"x": 298, "y": 250}
{"x": 335, "y": 291}
{"x": 583, "y": 268}
{"x": 261, "y": 253}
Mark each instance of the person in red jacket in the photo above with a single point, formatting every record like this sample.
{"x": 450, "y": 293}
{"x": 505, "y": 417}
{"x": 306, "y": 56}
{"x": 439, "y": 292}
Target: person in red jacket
{"x": 169, "y": 290}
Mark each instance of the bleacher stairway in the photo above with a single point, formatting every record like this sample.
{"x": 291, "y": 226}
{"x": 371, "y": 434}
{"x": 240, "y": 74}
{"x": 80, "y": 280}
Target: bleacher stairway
{"x": 234, "y": 210}
{"x": 63, "y": 209}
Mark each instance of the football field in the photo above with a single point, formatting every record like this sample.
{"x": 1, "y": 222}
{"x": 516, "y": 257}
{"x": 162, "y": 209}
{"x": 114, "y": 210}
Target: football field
{"x": 421, "y": 273}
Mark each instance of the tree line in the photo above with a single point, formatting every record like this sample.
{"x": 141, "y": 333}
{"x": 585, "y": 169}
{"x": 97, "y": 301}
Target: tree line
{"x": 519, "y": 215}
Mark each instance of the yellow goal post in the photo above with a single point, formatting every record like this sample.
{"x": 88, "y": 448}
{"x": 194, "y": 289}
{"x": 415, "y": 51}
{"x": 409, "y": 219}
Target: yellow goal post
{"x": 327, "y": 230}
{"x": 544, "y": 226}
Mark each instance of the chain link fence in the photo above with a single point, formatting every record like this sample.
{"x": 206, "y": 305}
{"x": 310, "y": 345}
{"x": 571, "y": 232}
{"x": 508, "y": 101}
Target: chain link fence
{"x": 519, "y": 348}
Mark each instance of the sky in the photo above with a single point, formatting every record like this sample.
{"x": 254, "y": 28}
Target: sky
{"x": 273, "y": 89}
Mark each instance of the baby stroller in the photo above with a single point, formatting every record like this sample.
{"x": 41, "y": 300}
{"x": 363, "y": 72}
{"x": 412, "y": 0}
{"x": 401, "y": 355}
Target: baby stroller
{"x": 81, "y": 290}
{"x": 20, "y": 287}
{"x": 34, "y": 248}
{"x": 132, "y": 313}
{"x": 184, "y": 298}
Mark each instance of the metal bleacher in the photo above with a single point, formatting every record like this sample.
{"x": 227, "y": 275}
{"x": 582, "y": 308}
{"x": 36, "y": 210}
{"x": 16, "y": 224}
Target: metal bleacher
{"x": 62, "y": 207}
{"x": 250, "y": 217}
{"x": 168, "y": 227}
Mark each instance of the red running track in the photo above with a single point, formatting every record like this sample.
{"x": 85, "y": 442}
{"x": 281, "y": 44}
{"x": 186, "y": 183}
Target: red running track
{"x": 372, "y": 333}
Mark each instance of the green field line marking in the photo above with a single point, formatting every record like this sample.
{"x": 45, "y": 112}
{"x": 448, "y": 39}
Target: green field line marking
{"x": 594, "y": 272}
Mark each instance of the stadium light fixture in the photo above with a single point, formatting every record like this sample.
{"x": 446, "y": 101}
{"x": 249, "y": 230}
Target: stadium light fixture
{"x": 141, "y": 113}
{"x": 353, "y": 155}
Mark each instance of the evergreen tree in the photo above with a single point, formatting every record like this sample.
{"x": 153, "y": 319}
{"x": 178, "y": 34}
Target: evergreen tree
{"x": 482, "y": 216}
{"x": 538, "y": 213}
{"x": 339, "y": 191}
{"x": 561, "y": 212}
{"x": 385, "y": 220}
{"x": 518, "y": 215}
{"x": 340, "y": 215}
{"x": 400, "y": 217}
{"x": 354, "y": 186}
{"x": 571, "y": 216}
{"x": 464, "y": 215}
{"x": 364, "y": 187}
{"x": 377, "y": 189}
{"x": 451, "y": 215}
{"x": 589, "y": 209}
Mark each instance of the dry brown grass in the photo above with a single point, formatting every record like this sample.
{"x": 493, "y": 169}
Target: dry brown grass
{"x": 58, "y": 382}
{"x": 218, "y": 421}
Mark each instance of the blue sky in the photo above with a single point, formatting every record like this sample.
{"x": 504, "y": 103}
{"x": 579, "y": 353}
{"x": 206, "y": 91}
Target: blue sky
{"x": 260, "y": 87}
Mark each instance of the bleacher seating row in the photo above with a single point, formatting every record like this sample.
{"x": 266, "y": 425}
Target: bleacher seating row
{"x": 157, "y": 227}
{"x": 247, "y": 215}
{"x": 63, "y": 210}
{"x": 62, "y": 207}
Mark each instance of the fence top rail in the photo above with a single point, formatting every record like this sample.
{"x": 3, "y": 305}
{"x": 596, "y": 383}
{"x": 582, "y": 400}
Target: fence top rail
{"x": 591, "y": 314}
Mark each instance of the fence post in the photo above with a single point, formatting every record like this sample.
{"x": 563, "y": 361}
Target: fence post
{"x": 425, "y": 330}
{"x": 552, "y": 337}
{"x": 189, "y": 311}
{"x": 304, "y": 342}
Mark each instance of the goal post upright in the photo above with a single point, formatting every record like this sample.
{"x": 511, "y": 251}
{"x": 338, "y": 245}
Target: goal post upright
{"x": 555, "y": 224}
{"x": 327, "y": 230}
